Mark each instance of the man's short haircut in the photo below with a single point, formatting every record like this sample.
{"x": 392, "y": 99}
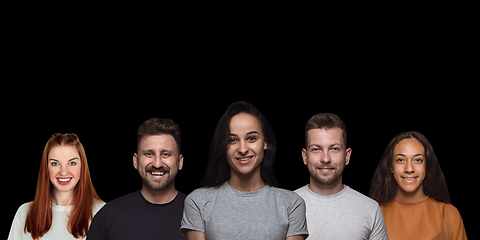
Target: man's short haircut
{"x": 325, "y": 121}
{"x": 159, "y": 126}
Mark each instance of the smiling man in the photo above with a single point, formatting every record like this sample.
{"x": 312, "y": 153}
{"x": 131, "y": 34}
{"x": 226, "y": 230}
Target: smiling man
{"x": 334, "y": 210}
{"x": 154, "y": 212}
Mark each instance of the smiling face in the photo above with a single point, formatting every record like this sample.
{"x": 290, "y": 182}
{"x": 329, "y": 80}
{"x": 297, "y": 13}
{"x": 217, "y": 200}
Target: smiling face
{"x": 326, "y": 157}
{"x": 246, "y": 144}
{"x": 158, "y": 161}
{"x": 408, "y": 166}
{"x": 64, "y": 167}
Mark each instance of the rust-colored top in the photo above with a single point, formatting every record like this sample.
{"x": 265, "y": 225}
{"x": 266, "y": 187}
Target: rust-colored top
{"x": 427, "y": 219}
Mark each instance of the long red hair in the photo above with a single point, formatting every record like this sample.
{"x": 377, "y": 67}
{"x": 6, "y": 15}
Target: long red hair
{"x": 39, "y": 218}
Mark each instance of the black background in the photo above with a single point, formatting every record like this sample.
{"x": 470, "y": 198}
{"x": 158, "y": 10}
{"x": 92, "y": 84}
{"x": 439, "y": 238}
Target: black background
{"x": 106, "y": 121}
{"x": 103, "y": 83}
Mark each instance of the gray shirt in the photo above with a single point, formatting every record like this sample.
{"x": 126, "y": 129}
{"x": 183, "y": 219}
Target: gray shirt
{"x": 225, "y": 213}
{"x": 347, "y": 214}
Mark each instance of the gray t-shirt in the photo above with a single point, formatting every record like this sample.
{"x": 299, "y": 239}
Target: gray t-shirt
{"x": 225, "y": 213}
{"x": 347, "y": 214}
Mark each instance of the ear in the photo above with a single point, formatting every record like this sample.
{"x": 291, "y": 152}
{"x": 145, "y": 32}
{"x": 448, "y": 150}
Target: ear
{"x": 135, "y": 160}
{"x": 265, "y": 146}
{"x": 180, "y": 162}
{"x": 347, "y": 157}
{"x": 304, "y": 156}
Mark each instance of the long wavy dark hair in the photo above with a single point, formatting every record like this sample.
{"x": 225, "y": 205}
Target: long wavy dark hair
{"x": 218, "y": 169}
{"x": 384, "y": 187}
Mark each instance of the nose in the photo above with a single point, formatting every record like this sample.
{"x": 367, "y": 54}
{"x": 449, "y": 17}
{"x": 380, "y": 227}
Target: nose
{"x": 157, "y": 162}
{"x": 326, "y": 158}
{"x": 63, "y": 170}
{"x": 409, "y": 167}
{"x": 243, "y": 149}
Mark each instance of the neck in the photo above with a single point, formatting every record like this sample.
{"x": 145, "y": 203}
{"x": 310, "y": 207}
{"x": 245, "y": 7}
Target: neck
{"x": 325, "y": 190}
{"x": 159, "y": 197}
{"x": 246, "y": 182}
{"x": 410, "y": 197}
{"x": 62, "y": 198}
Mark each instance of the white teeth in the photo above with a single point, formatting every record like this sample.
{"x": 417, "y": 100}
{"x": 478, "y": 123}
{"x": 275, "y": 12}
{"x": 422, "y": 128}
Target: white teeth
{"x": 244, "y": 159}
{"x": 158, "y": 173}
{"x": 409, "y": 179}
{"x": 64, "y": 179}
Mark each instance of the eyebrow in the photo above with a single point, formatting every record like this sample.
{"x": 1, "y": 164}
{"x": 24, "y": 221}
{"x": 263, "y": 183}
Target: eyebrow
{"x": 248, "y": 133}
{"x": 318, "y": 145}
{"x": 403, "y": 155}
{"x": 151, "y": 150}
{"x": 53, "y": 159}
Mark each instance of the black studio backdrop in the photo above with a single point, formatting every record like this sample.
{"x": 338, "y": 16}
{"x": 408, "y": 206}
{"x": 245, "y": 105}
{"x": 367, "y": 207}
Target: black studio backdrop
{"x": 107, "y": 123}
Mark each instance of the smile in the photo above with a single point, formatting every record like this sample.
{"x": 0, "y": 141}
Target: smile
{"x": 157, "y": 173}
{"x": 244, "y": 160}
{"x": 409, "y": 179}
{"x": 64, "y": 181}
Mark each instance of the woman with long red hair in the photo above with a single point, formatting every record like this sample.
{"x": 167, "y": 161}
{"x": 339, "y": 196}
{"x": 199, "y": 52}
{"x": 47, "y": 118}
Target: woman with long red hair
{"x": 65, "y": 200}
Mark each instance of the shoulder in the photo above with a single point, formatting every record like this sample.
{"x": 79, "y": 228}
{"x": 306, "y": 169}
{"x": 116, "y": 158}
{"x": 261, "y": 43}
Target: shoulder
{"x": 360, "y": 198}
{"x": 449, "y": 210}
{"x": 121, "y": 203}
{"x": 303, "y": 191}
{"x": 97, "y": 205}
{"x": 202, "y": 193}
{"x": 22, "y": 211}
{"x": 288, "y": 196}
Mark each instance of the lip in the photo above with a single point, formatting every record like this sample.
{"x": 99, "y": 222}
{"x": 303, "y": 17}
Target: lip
{"x": 244, "y": 160}
{"x": 409, "y": 179}
{"x": 64, "y": 180}
{"x": 325, "y": 170}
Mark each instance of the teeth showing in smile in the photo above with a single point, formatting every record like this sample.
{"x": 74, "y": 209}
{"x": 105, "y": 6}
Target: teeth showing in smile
{"x": 409, "y": 179}
{"x": 64, "y": 179}
{"x": 244, "y": 159}
{"x": 158, "y": 173}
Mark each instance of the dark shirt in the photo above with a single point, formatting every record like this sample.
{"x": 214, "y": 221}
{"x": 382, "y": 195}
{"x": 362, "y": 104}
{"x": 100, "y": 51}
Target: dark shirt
{"x": 133, "y": 217}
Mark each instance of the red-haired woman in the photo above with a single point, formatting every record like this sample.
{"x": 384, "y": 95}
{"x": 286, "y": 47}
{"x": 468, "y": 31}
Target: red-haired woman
{"x": 65, "y": 201}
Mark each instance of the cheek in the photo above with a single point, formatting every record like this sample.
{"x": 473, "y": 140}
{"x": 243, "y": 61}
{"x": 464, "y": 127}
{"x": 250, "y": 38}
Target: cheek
{"x": 52, "y": 172}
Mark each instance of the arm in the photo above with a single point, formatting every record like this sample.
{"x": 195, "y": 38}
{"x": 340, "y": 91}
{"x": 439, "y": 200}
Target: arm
{"x": 379, "y": 230}
{"x": 195, "y": 235}
{"x": 298, "y": 237}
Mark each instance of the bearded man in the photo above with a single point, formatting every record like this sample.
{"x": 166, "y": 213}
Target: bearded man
{"x": 155, "y": 211}
{"x": 334, "y": 210}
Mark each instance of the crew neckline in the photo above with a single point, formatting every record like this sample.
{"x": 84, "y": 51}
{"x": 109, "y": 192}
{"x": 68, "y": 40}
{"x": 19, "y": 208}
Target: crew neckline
{"x": 332, "y": 197}
{"x": 245, "y": 194}
{"x": 404, "y": 203}
{"x": 154, "y": 204}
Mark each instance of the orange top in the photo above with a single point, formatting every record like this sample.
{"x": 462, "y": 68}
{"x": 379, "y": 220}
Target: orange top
{"x": 427, "y": 219}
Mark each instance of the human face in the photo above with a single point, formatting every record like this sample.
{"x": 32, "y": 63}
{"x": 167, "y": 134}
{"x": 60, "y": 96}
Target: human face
{"x": 408, "y": 165}
{"x": 246, "y": 144}
{"x": 158, "y": 161}
{"x": 326, "y": 156}
{"x": 64, "y": 167}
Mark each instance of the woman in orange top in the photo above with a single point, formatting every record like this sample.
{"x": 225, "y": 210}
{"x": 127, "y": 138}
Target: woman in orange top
{"x": 411, "y": 190}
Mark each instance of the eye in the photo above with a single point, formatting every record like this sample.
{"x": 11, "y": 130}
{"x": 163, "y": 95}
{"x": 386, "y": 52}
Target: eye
{"x": 400, "y": 160}
{"x": 252, "y": 138}
{"x": 315, "y": 149}
{"x": 335, "y": 149}
{"x": 232, "y": 140}
{"x": 418, "y": 160}
{"x": 54, "y": 164}
{"x": 148, "y": 154}
{"x": 166, "y": 155}
{"x": 72, "y": 163}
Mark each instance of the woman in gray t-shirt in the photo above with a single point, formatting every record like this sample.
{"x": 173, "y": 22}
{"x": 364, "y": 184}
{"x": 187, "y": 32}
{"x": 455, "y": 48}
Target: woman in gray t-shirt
{"x": 240, "y": 198}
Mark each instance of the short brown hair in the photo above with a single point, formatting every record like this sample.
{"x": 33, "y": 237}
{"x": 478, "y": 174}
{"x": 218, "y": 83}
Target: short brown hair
{"x": 326, "y": 121}
{"x": 159, "y": 126}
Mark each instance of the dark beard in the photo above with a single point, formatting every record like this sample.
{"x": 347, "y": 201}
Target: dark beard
{"x": 326, "y": 183}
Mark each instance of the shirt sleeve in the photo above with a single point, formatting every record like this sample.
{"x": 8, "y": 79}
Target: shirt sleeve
{"x": 18, "y": 223}
{"x": 98, "y": 227}
{"x": 379, "y": 230}
{"x": 297, "y": 222}
{"x": 192, "y": 216}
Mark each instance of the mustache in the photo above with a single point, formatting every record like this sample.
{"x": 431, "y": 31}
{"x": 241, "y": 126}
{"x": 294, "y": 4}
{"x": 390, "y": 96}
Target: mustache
{"x": 151, "y": 168}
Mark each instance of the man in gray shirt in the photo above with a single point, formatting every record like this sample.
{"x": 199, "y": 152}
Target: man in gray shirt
{"x": 334, "y": 210}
